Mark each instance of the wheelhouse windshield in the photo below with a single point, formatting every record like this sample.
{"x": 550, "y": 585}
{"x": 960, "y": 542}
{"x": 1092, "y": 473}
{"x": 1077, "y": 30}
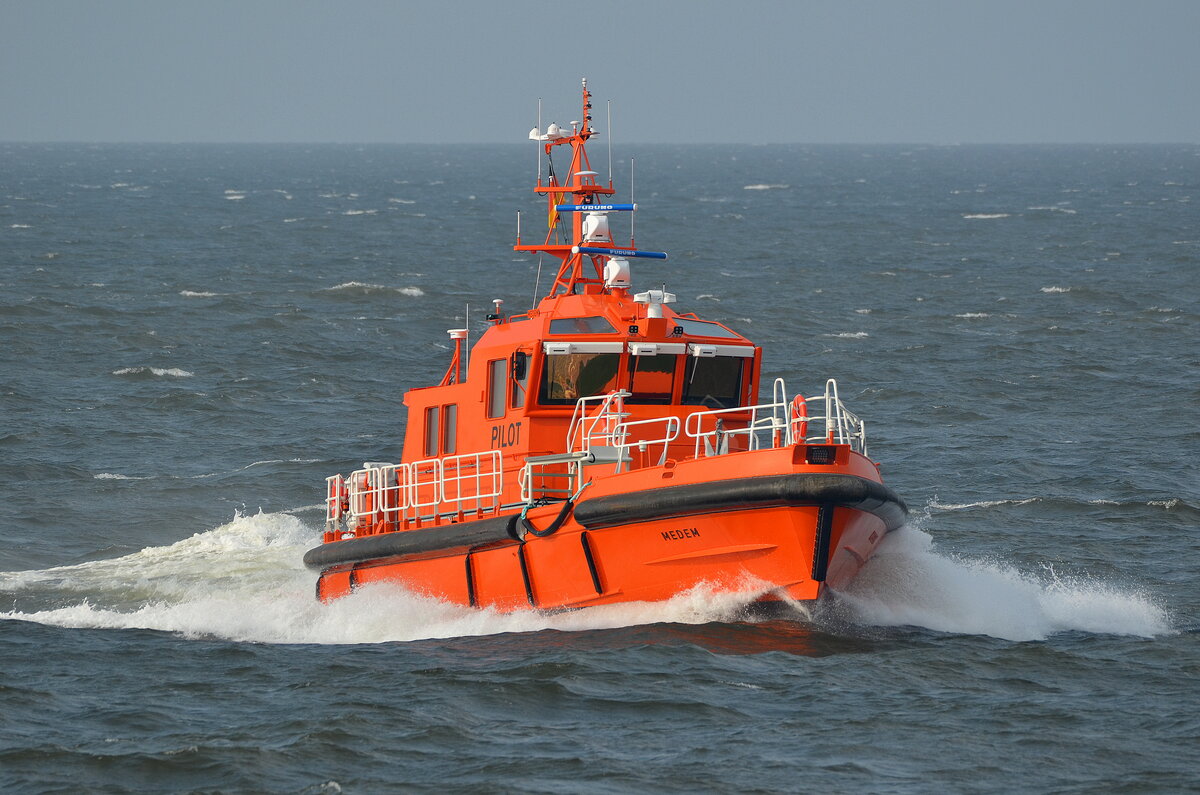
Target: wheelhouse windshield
{"x": 568, "y": 377}
{"x": 715, "y": 382}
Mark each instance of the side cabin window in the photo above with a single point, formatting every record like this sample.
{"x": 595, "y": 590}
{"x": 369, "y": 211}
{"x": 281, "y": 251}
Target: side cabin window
{"x": 450, "y": 429}
{"x": 520, "y": 378}
{"x": 714, "y": 382}
{"x": 652, "y": 378}
{"x": 568, "y": 377}
{"x": 497, "y": 381}
{"x": 431, "y": 432}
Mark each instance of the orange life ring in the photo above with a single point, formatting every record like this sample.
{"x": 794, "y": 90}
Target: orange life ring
{"x": 799, "y": 418}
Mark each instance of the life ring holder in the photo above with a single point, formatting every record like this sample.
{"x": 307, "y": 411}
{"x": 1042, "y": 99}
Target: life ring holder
{"x": 799, "y": 418}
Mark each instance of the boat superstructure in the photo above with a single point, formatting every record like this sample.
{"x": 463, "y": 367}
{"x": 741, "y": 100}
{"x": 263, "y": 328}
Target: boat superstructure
{"x": 603, "y": 447}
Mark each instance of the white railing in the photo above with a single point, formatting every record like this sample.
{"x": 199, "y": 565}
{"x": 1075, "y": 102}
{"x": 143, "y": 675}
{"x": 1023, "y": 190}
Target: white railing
{"x": 777, "y": 424}
{"x": 623, "y": 443}
{"x": 469, "y": 483}
{"x": 841, "y": 425}
{"x": 556, "y": 476}
{"x": 597, "y": 429}
{"x": 765, "y": 418}
{"x": 336, "y": 498}
{"x": 472, "y": 478}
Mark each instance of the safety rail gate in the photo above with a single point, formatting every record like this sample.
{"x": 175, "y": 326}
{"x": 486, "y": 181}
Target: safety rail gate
{"x": 780, "y": 423}
{"x": 382, "y": 495}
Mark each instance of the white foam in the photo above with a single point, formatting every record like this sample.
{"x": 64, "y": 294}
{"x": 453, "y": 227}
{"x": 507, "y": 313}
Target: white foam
{"x": 765, "y": 186}
{"x": 987, "y": 216}
{"x": 1056, "y": 289}
{"x": 20, "y": 226}
{"x": 1065, "y": 210}
{"x": 973, "y": 314}
{"x": 941, "y": 506}
{"x": 908, "y": 583}
{"x": 173, "y": 372}
{"x": 849, "y": 335}
{"x": 245, "y": 581}
{"x": 267, "y": 462}
{"x": 415, "y": 292}
{"x": 194, "y": 294}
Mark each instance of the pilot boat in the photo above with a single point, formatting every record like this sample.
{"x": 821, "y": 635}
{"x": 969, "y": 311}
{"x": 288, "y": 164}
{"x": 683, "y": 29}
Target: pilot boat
{"x": 602, "y": 448}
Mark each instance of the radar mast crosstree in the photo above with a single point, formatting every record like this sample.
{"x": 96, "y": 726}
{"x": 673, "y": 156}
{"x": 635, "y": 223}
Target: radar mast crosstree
{"x": 574, "y": 202}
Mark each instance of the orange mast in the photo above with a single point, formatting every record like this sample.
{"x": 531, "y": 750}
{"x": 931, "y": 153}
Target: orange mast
{"x": 576, "y": 196}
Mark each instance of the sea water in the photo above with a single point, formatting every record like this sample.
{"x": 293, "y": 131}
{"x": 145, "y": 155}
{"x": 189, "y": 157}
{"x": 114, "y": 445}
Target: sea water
{"x": 195, "y": 336}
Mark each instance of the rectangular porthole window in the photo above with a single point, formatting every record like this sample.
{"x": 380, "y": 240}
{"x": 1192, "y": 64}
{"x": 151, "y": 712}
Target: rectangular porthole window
{"x": 497, "y": 381}
{"x": 449, "y": 429}
{"x": 520, "y": 378}
{"x": 431, "y": 432}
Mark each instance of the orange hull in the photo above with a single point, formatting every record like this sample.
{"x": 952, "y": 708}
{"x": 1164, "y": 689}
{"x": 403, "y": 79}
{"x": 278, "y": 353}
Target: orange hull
{"x": 787, "y": 530}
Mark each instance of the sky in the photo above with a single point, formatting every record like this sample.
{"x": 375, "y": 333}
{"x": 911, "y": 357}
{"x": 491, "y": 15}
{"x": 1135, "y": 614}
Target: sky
{"x": 472, "y": 71}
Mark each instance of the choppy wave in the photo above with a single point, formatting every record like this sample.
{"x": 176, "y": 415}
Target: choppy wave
{"x": 244, "y": 581}
{"x": 195, "y": 294}
{"x": 368, "y": 289}
{"x": 1056, "y": 289}
{"x": 1171, "y": 504}
{"x": 1064, "y": 210}
{"x": 173, "y": 372}
{"x": 987, "y": 216}
{"x": 207, "y": 475}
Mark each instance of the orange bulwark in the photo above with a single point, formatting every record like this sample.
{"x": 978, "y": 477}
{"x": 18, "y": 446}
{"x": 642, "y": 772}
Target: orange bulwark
{"x": 603, "y": 448}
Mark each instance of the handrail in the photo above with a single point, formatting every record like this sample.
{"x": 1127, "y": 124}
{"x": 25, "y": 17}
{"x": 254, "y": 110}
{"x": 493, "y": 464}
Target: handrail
{"x": 771, "y": 423}
{"x": 779, "y": 400}
{"x": 720, "y": 435}
{"x": 584, "y": 426}
{"x": 336, "y": 501}
{"x": 395, "y": 493}
{"x": 574, "y": 474}
{"x": 458, "y": 470}
{"x": 621, "y": 434}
